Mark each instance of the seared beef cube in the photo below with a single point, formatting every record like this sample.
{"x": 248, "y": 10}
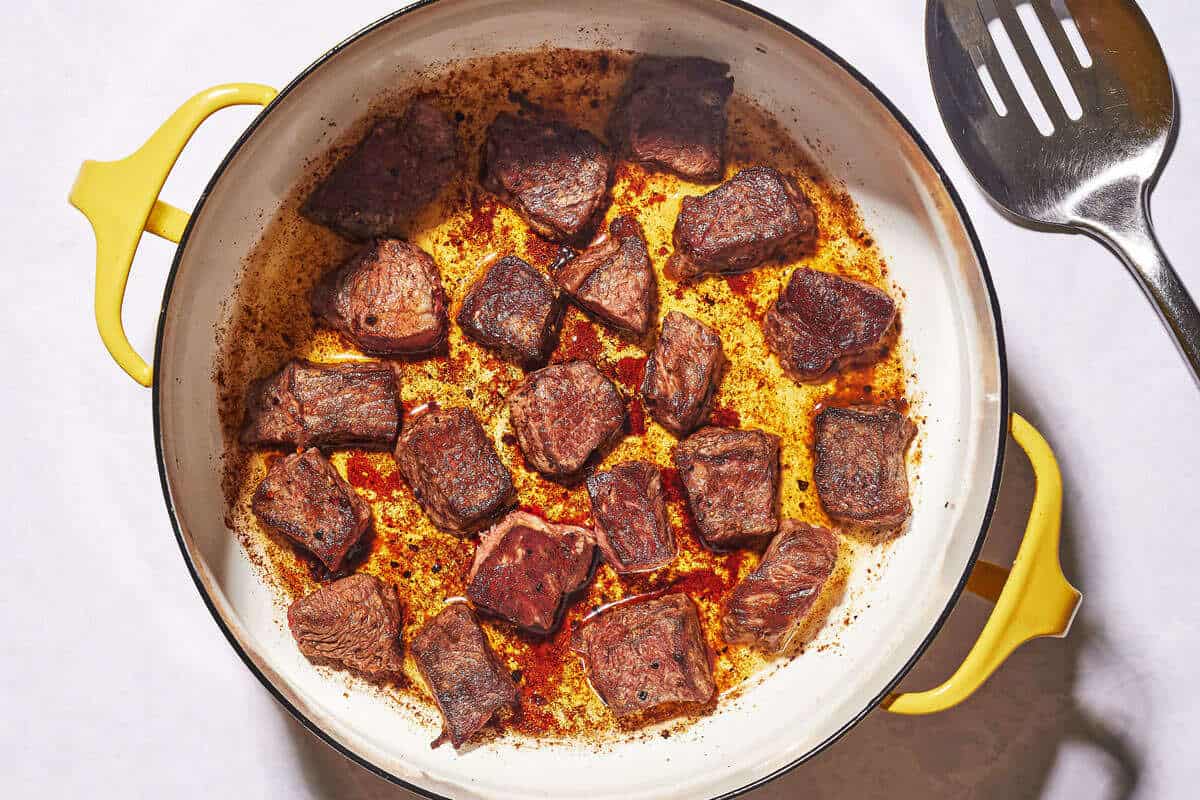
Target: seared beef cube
{"x": 613, "y": 278}
{"x": 682, "y": 373}
{"x": 526, "y": 568}
{"x": 353, "y": 622}
{"x": 645, "y": 654}
{"x": 304, "y": 498}
{"x": 400, "y": 166}
{"x": 631, "y": 517}
{"x": 820, "y": 318}
{"x": 672, "y": 115}
{"x": 453, "y": 470}
{"x": 563, "y": 414}
{"x": 466, "y": 679}
{"x": 514, "y": 310}
{"x": 324, "y": 405}
{"x": 555, "y": 175}
{"x": 731, "y": 478}
{"x": 756, "y": 214}
{"x": 388, "y": 298}
{"x": 766, "y": 608}
{"x": 859, "y": 468}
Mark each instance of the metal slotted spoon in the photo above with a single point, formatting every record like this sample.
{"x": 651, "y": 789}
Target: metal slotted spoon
{"x": 1090, "y": 174}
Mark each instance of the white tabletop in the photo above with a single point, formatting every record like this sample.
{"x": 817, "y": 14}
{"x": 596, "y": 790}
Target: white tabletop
{"x": 115, "y": 681}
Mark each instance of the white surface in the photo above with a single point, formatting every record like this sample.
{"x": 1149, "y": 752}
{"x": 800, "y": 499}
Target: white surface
{"x": 117, "y": 683}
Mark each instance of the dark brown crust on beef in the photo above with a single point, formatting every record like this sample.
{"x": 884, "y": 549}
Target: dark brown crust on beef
{"x": 644, "y": 654}
{"x": 525, "y": 569}
{"x": 351, "y": 404}
{"x": 353, "y": 622}
{"x": 671, "y": 116}
{"x": 388, "y": 298}
{"x": 563, "y": 415}
{"x": 512, "y": 309}
{"x": 613, "y": 278}
{"x": 682, "y": 373}
{"x": 400, "y": 166}
{"x": 305, "y": 499}
{"x": 820, "y": 318}
{"x": 731, "y": 478}
{"x": 273, "y": 416}
{"x": 555, "y": 175}
{"x": 453, "y": 469}
{"x": 467, "y": 680}
{"x": 859, "y": 469}
{"x": 755, "y": 215}
{"x": 766, "y": 608}
{"x": 630, "y": 510}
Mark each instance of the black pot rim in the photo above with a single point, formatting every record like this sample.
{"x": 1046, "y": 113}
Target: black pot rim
{"x": 960, "y": 208}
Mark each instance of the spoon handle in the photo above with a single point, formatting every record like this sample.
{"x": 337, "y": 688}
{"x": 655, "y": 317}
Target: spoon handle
{"x": 1131, "y": 237}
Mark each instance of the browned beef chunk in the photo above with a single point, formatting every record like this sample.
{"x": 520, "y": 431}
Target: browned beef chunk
{"x": 859, "y": 469}
{"x": 613, "y": 278}
{"x": 353, "y": 622}
{"x": 631, "y": 517}
{"x": 766, "y": 608}
{"x": 645, "y": 654}
{"x": 671, "y": 115}
{"x": 304, "y": 498}
{"x": 555, "y": 175}
{"x": 682, "y": 373}
{"x": 400, "y": 166}
{"x": 820, "y": 318}
{"x": 388, "y": 298}
{"x": 756, "y": 214}
{"x": 526, "y": 568}
{"x": 564, "y": 413}
{"x": 514, "y": 310}
{"x": 324, "y": 405}
{"x": 731, "y": 478}
{"x": 466, "y": 679}
{"x": 453, "y": 470}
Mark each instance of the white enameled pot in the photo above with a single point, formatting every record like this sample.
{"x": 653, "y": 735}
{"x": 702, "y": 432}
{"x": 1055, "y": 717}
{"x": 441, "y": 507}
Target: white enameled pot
{"x": 952, "y": 327}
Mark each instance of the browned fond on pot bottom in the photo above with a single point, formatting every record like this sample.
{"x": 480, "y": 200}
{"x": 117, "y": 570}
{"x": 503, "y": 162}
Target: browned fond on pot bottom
{"x": 467, "y": 228}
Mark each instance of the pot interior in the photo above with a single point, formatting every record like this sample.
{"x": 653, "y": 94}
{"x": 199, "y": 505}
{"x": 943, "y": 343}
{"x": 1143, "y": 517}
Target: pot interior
{"x": 948, "y": 324}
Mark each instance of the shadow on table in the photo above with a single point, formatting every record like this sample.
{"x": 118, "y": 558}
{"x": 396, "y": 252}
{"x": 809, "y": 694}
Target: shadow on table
{"x": 1002, "y": 744}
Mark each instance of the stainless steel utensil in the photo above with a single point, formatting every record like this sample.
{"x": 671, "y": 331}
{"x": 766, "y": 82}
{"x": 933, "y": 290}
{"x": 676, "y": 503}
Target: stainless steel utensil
{"x": 1093, "y": 173}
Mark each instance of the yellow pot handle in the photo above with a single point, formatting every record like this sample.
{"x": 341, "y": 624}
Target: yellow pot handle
{"x": 1032, "y": 599}
{"x": 120, "y": 198}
